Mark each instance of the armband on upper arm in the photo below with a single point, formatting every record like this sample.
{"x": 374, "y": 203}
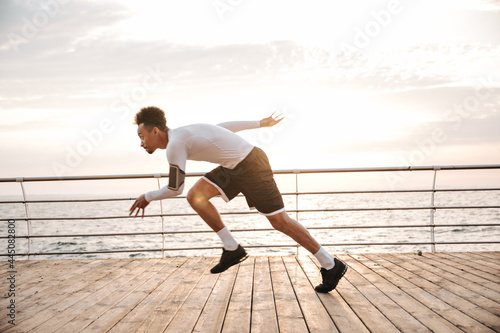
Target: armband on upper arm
{"x": 175, "y": 177}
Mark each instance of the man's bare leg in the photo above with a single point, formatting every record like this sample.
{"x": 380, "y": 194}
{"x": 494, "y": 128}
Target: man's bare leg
{"x": 198, "y": 197}
{"x": 284, "y": 223}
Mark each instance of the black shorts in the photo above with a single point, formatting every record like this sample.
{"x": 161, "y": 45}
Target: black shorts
{"x": 254, "y": 178}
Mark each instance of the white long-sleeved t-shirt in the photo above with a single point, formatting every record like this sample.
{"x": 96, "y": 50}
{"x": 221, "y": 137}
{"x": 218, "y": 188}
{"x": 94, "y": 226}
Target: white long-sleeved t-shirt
{"x": 202, "y": 142}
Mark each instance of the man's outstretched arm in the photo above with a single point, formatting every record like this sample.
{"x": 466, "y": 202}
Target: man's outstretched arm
{"x": 236, "y": 126}
{"x": 177, "y": 157}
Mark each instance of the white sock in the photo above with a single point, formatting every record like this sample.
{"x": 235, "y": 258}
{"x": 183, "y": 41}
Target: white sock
{"x": 325, "y": 259}
{"x": 227, "y": 239}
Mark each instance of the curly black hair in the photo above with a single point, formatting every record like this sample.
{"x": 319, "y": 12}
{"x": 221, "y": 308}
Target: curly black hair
{"x": 151, "y": 116}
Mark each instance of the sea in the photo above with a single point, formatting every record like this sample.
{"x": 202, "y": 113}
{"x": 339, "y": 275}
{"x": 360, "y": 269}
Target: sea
{"x": 342, "y": 233}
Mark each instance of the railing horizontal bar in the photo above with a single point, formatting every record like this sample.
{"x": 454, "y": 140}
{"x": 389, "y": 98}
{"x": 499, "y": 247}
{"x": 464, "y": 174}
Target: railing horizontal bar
{"x": 401, "y": 226}
{"x": 250, "y": 212}
{"x": 147, "y": 250}
{"x": 396, "y": 191}
{"x": 391, "y": 208}
{"x": 413, "y": 243}
{"x": 116, "y": 217}
{"x": 392, "y": 169}
{"x": 302, "y": 171}
{"x": 65, "y": 200}
{"x": 250, "y": 246}
{"x": 284, "y": 193}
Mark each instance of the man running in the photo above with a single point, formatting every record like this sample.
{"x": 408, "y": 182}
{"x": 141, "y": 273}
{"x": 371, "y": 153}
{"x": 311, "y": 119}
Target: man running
{"x": 243, "y": 168}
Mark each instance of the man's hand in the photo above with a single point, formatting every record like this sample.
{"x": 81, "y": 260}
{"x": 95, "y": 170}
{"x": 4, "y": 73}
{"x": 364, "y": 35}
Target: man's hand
{"x": 271, "y": 121}
{"x": 140, "y": 203}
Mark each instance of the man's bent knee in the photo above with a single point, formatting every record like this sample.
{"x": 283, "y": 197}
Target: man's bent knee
{"x": 191, "y": 196}
{"x": 200, "y": 193}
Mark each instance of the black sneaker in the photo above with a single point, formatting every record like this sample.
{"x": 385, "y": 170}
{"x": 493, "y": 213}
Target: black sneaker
{"x": 331, "y": 277}
{"x": 229, "y": 258}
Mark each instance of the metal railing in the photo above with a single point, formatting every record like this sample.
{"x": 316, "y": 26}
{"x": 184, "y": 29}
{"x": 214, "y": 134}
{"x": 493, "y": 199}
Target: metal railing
{"x": 432, "y": 208}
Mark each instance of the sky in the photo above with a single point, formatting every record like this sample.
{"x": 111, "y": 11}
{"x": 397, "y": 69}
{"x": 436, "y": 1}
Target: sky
{"x": 361, "y": 83}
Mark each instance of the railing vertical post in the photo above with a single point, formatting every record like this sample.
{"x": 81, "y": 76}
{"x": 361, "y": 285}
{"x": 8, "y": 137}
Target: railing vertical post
{"x": 26, "y": 209}
{"x": 297, "y": 200}
{"x": 157, "y": 176}
{"x": 433, "y": 210}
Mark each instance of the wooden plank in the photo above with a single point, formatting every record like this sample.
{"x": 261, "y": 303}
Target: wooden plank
{"x": 443, "y": 301}
{"x": 263, "y": 309}
{"x": 109, "y": 296}
{"x": 58, "y": 277}
{"x": 45, "y": 304}
{"x": 72, "y": 305}
{"x": 372, "y": 318}
{"x": 290, "y": 318}
{"x": 137, "y": 290}
{"x": 212, "y": 317}
{"x": 48, "y": 276}
{"x": 396, "y": 288}
{"x": 475, "y": 264}
{"x": 316, "y": 316}
{"x": 421, "y": 290}
{"x": 495, "y": 256}
{"x": 376, "y": 289}
{"x": 458, "y": 295}
{"x": 186, "y": 318}
{"x": 465, "y": 272}
{"x": 121, "y": 309}
{"x": 474, "y": 292}
{"x": 161, "y": 316}
{"x": 171, "y": 276}
{"x": 28, "y": 270}
{"x": 240, "y": 304}
{"x": 343, "y": 316}
{"x": 27, "y": 277}
{"x": 493, "y": 266}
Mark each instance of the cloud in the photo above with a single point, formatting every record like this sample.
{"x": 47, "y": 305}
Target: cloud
{"x": 468, "y": 132}
{"x": 46, "y": 24}
{"x": 488, "y": 5}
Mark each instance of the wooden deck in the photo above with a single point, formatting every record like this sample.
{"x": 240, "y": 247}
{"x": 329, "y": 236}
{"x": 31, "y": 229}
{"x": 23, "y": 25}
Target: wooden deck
{"x": 441, "y": 292}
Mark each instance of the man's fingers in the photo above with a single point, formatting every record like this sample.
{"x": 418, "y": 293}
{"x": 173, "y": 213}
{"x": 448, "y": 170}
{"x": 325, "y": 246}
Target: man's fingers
{"x": 131, "y": 212}
{"x": 278, "y": 119}
{"x": 134, "y": 206}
